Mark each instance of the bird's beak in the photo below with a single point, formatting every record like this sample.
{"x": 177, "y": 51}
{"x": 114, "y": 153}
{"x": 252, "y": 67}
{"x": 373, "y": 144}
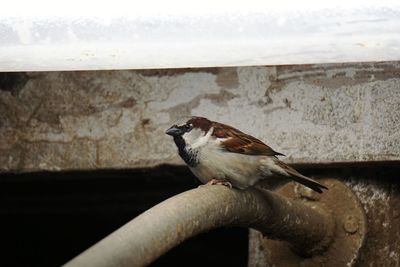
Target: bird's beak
{"x": 174, "y": 131}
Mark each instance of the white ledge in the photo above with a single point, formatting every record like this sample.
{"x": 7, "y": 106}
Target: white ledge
{"x": 79, "y": 35}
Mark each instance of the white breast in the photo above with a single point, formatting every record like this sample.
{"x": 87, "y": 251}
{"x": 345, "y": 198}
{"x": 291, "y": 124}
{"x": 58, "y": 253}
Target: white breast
{"x": 214, "y": 163}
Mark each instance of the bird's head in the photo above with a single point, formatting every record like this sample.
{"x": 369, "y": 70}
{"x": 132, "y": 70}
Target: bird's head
{"x": 191, "y": 130}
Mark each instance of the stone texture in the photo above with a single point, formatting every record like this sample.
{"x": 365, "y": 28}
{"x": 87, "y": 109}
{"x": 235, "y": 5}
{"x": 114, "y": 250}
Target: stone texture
{"x": 116, "y": 119}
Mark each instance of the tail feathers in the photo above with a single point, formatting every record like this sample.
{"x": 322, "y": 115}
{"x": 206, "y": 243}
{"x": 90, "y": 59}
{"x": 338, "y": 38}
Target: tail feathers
{"x": 298, "y": 177}
{"x": 306, "y": 181}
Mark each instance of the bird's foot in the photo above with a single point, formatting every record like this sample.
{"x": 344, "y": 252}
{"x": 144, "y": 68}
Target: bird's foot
{"x": 220, "y": 182}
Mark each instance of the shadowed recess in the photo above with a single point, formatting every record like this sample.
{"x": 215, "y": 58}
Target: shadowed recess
{"x": 50, "y": 217}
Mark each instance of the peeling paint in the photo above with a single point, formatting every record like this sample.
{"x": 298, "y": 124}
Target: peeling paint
{"x": 312, "y": 113}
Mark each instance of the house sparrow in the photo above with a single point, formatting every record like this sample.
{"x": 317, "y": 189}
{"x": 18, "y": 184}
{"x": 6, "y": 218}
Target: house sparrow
{"x": 220, "y": 154}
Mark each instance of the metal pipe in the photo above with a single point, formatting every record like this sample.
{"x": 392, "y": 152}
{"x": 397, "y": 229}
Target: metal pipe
{"x": 151, "y": 234}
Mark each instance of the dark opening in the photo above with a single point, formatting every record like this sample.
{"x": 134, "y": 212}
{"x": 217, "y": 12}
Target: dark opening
{"x": 48, "y": 218}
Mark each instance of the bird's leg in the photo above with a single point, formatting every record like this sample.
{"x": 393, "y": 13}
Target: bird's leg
{"x": 221, "y": 182}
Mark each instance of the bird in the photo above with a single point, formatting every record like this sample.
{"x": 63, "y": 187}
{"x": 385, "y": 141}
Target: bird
{"x": 217, "y": 153}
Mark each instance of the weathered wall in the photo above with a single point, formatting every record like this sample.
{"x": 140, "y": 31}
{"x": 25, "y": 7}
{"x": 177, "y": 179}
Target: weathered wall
{"x": 116, "y": 119}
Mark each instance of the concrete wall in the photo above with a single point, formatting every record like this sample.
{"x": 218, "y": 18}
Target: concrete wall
{"x": 116, "y": 119}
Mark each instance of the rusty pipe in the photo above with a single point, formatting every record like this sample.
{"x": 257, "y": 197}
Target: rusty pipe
{"x": 154, "y": 232}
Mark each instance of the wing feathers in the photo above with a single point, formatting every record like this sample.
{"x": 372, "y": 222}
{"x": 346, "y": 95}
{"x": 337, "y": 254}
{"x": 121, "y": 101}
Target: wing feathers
{"x": 239, "y": 142}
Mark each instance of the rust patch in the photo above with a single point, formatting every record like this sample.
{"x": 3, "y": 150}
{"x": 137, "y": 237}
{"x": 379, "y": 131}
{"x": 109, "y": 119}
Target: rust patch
{"x": 50, "y": 118}
{"x": 333, "y": 75}
{"x": 174, "y": 72}
{"x": 145, "y": 122}
{"x": 185, "y": 109}
{"x": 128, "y": 103}
{"x": 227, "y": 78}
{"x": 221, "y": 98}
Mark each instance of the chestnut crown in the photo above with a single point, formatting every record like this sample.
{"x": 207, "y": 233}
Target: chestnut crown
{"x": 201, "y": 123}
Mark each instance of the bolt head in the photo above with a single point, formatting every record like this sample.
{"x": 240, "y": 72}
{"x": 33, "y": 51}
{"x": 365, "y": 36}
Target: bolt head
{"x": 351, "y": 224}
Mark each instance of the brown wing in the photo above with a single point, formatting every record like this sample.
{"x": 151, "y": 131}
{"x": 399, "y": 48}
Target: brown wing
{"x": 239, "y": 142}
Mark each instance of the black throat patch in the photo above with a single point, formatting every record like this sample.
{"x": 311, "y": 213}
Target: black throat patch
{"x": 189, "y": 156}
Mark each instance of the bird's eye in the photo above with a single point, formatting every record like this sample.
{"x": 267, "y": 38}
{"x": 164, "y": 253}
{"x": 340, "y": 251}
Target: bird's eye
{"x": 188, "y": 127}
